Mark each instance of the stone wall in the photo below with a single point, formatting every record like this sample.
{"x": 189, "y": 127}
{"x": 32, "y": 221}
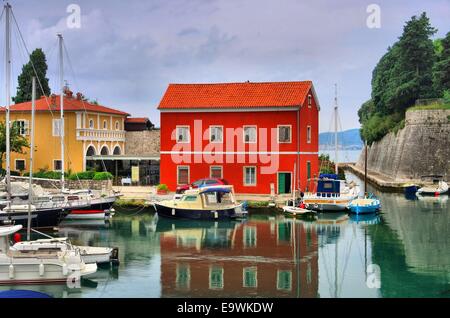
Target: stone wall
{"x": 143, "y": 143}
{"x": 421, "y": 148}
{"x": 70, "y": 184}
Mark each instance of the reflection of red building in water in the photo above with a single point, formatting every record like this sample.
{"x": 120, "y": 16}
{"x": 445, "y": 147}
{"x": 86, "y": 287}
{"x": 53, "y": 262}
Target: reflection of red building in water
{"x": 264, "y": 259}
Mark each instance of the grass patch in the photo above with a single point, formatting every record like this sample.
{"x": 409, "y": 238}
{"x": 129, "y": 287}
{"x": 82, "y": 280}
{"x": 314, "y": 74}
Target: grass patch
{"x": 130, "y": 203}
{"x": 434, "y": 106}
{"x": 257, "y": 204}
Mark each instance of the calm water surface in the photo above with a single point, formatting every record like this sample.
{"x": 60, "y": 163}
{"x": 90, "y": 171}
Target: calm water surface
{"x": 406, "y": 249}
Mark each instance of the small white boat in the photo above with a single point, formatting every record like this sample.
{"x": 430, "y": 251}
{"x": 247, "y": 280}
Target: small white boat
{"x": 90, "y": 214}
{"x": 89, "y": 254}
{"x": 294, "y": 211}
{"x": 439, "y": 187}
{"x": 33, "y": 266}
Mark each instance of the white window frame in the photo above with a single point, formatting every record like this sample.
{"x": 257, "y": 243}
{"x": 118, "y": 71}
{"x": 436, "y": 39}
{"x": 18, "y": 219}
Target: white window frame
{"x": 216, "y": 167}
{"x": 54, "y": 121}
{"x": 178, "y": 175}
{"x": 210, "y": 134}
{"x": 105, "y": 125}
{"x": 25, "y": 126}
{"x": 177, "y": 282}
{"x": 117, "y": 125}
{"x": 93, "y": 125}
{"x": 290, "y": 134}
{"x": 211, "y": 267}
{"x": 24, "y": 164}
{"x": 256, "y": 134}
{"x": 188, "y": 135}
{"x": 249, "y": 269}
{"x": 249, "y": 229}
{"x": 54, "y": 161}
{"x": 309, "y": 100}
{"x": 278, "y": 280}
{"x": 308, "y": 134}
{"x": 256, "y": 172}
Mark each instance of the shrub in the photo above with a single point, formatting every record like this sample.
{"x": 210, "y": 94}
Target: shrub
{"x": 87, "y": 175}
{"x": 162, "y": 187}
{"x": 102, "y": 176}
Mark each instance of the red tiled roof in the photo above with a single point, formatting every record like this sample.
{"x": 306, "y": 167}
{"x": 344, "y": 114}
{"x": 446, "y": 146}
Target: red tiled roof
{"x": 235, "y": 95}
{"x": 70, "y": 104}
{"x": 137, "y": 120}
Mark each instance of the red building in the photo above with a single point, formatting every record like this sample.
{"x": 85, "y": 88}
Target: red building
{"x": 257, "y": 136}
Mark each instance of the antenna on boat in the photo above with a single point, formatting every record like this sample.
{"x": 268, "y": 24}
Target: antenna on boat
{"x": 31, "y": 132}
{"x": 61, "y": 124}
{"x": 8, "y": 101}
{"x": 335, "y": 129}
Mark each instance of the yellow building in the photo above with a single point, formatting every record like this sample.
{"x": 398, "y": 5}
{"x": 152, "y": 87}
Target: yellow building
{"x": 90, "y": 130}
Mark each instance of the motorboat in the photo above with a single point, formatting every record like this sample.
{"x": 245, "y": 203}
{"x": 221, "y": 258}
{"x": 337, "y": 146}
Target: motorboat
{"x": 331, "y": 195}
{"x": 438, "y": 187}
{"x": 39, "y": 266}
{"x": 297, "y": 211}
{"x": 89, "y": 254}
{"x": 206, "y": 203}
{"x": 42, "y": 218}
{"x": 90, "y": 214}
{"x": 365, "y": 205}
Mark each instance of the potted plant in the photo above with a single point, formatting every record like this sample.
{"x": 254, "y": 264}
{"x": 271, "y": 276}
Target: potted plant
{"x": 162, "y": 189}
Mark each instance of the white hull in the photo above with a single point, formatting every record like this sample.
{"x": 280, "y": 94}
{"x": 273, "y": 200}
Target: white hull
{"x": 296, "y": 211}
{"x": 90, "y": 216}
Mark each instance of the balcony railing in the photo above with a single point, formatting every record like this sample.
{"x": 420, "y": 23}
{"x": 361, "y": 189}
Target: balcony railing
{"x": 100, "y": 135}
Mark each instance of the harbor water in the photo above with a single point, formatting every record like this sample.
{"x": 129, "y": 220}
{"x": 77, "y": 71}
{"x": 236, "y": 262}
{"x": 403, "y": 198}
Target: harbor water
{"x": 402, "y": 252}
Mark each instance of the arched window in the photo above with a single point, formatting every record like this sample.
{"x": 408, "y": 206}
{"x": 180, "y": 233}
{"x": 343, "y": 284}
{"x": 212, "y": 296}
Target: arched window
{"x": 91, "y": 124}
{"x": 117, "y": 125}
{"x": 104, "y": 151}
{"x": 90, "y": 151}
{"x": 105, "y": 125}
{"x": 90, "y": 164}
{"x": 117, "y": 151}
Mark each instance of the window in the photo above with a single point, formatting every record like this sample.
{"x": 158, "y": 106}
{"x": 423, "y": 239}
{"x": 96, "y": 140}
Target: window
{"x": 249, "y": 236}
{"x": 57, "y": 127}
{"x": 250, "y": 176}
{"x": 216, "y": 172}
{"x": 183, "y": 134}
{"x": 308, "y": 134}
{"x": 284, "y": 134}
{"x": 309, "y": 100}
{"x": 215, "y": 277}
{"x": 91, "y": 123}
{"x": 20, "y": 165}
{"x": 23, "y": 127}
{"x": 308, "y": 169}
{"x": 183, "y": 175}
{"x": 250, "y": 277}
{"x": 57, "y": 165}
{"x": 284, "y": 280}
{"x": 190, "y": 198}
{"x": 216, "y": 134}
{"x": 117, "y": 125}
{"x": 183, "y": 276}
{"x": 249, "y": 134}
{"x": 105, "y": 125}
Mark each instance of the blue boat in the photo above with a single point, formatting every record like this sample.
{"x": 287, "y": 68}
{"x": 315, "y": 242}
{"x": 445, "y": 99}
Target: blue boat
{"x": 365, "y": 206}
{"x": 23, "y": 294}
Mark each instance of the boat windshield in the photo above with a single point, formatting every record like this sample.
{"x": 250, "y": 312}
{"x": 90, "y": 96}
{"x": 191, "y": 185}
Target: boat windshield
{"x": 215, "y": 198}
{"x": 190, "y": 198}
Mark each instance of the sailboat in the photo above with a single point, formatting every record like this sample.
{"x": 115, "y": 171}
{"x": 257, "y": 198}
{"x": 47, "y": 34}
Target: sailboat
{"x": 332, "y": 194}
{"x": 31, "y": 266}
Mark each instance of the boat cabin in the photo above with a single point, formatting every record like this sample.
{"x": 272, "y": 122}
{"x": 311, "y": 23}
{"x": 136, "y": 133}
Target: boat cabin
{"x": 207, "y": 198}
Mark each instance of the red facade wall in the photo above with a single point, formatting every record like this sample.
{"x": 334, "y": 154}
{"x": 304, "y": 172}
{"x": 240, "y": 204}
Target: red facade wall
{"x": 233, "y": 171}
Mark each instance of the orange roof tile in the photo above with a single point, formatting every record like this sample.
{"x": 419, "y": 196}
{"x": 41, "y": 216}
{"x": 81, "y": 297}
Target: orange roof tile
{"x": 137, "y": 120}
{"x": 70, "y": 104}
{"x": 235, "y": 95}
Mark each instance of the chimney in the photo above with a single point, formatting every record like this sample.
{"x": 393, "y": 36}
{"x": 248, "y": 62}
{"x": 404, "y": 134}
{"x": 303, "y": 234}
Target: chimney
{"x": 68, "y": 93}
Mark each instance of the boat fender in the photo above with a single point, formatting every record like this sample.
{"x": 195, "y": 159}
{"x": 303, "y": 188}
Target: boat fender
{"x": 216, "y": 214}
{"x": 41, "y": 269}
{"x": 173, "y": 211}
{"x": 11, "y": 271}
{"x": 65, "y": 270}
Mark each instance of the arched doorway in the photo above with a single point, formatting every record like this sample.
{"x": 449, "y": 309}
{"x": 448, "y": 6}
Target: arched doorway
{"x": 90, "y": 164}
{"x": 117, "y": 151}
{"x": 104, "y": 151}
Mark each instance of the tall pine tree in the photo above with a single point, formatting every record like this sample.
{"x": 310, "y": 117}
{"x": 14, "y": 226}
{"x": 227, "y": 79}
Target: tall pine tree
{"x": 441, "y": 70}
{"x": 38, "y": 59}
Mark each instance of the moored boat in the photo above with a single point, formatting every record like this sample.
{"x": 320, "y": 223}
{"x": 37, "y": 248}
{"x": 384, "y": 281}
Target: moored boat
{"x": 438, "y": 187}
{"x": 207, "y": 203}
{"x": 365, "y": 206}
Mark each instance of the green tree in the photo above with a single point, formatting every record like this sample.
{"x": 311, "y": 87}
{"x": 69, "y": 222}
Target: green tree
{"x": 38, "y": 59}
{"x": 18, "y": 143}
{"x": 441, "y": 69}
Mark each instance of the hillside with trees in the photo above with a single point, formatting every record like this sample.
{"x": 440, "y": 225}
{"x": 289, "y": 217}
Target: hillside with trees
{"x": 415, "y": 67}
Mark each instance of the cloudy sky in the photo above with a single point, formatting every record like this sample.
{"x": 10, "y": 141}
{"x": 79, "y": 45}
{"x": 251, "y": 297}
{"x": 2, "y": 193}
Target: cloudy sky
{"x": 126, "y": 52}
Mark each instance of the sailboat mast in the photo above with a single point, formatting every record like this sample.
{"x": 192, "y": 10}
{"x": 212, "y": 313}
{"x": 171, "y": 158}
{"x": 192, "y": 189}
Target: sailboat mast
{"x": 31, "y": 131}
{"x": 335, "y": 129}
{"x": 61, "y": 125}
{"x": 8, "y": 99}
